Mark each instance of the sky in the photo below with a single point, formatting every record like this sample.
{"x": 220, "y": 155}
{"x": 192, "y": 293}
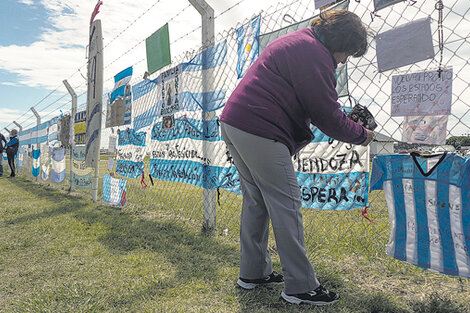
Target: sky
{"x": 43, "y": 42}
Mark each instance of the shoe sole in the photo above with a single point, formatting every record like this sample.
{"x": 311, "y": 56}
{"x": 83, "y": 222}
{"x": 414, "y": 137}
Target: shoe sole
{"x": 295, "y": 300}
{"x": 249, "y": 286}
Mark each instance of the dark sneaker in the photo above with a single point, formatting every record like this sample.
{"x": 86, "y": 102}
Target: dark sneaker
{"x": 320, "y": 296}
{"x": 273, "y": 278}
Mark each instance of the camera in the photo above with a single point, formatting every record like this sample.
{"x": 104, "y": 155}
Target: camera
{"x": 361, "y": 115}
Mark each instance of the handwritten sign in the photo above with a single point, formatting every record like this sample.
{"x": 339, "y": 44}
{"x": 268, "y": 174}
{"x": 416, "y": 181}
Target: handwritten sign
{"x": 81, "y": 174}
{"x": 422, "y": 93}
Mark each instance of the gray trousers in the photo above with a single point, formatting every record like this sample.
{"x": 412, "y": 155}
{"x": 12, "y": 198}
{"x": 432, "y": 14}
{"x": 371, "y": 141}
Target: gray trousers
{"x": 270, "y": 191}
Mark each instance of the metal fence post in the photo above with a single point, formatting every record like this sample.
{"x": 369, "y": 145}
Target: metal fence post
{"x": 72, "y": 123}
{"x": 208, "y": 38}
{"x": 20, "y": 128}
{"x": 38, "y": 119}
{"x": 7, "y": 130}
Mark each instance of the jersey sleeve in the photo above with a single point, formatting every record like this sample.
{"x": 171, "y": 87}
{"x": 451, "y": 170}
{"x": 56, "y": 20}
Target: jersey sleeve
{"x": 377, "y": 175}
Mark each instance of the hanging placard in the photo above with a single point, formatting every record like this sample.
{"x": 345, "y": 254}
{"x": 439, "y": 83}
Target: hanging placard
{"x": 422, "y": 93}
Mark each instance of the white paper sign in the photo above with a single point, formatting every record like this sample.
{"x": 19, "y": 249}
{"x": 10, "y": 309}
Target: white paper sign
{"x": 423, "y": 93}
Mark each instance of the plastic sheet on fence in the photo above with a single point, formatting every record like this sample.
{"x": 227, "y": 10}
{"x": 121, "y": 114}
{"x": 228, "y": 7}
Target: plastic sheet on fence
{"x": 404, "y": 45}
{"x": 429, "y": 203}
{"x": 114, "y": 190}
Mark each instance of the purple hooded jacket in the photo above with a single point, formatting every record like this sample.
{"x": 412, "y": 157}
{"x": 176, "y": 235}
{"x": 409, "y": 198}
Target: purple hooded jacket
{"x": 289, "y": 86}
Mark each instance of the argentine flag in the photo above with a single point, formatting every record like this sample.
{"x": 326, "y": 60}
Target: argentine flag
{"x": 248, "y": 45}
{"x": 36, "y": 163}
{"x": 114, "y": 190}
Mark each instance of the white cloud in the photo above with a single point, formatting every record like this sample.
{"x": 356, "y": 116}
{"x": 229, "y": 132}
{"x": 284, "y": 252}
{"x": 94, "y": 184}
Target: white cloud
{"x": 61, "y": 50}
{"x": 27, "y": 2}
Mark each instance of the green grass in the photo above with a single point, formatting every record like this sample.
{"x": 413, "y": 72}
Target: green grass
{"x": 63, "y": 253}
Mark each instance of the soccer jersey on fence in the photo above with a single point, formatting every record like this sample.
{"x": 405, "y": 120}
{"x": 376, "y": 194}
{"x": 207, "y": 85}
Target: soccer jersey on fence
{"x": 428, "y": 200}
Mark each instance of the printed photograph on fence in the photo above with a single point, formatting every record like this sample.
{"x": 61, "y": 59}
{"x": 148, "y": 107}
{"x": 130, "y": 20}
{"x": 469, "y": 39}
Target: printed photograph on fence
{"x": 422, "y": 93}
{"x": 425, "y": 129}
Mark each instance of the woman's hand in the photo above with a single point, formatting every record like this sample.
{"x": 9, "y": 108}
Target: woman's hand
{"x": 370, "y": 137}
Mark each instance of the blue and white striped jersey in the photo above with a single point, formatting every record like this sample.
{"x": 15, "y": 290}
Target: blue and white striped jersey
{"x": 428, "y": 199}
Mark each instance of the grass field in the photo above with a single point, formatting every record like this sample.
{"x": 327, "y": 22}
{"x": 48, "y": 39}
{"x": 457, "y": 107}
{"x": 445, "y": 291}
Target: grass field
{"x": 63, "y": 253}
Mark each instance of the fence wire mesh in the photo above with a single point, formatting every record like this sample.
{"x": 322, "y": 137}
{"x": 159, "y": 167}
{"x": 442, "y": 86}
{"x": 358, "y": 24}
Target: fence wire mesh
{"x": 345, "y": 240}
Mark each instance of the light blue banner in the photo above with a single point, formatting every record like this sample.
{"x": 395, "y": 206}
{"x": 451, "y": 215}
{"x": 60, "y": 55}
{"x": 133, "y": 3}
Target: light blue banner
{"x": 129, "y": 169}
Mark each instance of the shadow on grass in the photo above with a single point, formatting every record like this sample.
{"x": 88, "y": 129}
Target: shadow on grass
{"x": 195, "y": 255}
{"x": 63, "y": 203}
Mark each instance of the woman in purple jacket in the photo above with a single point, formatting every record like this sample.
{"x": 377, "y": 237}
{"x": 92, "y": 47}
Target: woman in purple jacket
{"x": 267, "y": 120}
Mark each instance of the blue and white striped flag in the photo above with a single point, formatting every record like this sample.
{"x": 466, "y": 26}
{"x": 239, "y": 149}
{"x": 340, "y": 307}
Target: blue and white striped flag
{"x": 180, "y": 88}
{"x": 248, "y": 45}
{"x": 428, "y": 199}
{"x": 114, "y": 190}
{"x": 36, "y": 163}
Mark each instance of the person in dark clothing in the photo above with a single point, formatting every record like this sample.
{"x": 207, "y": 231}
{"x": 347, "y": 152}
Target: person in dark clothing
{"x": 12, "y": 149}
{"x": 2, "y": 145}
{"x": 266, "y": 120}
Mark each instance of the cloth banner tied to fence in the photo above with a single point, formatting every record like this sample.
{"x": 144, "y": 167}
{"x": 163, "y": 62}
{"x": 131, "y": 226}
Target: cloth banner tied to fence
{"x": 81, "y": 174}
{"x": 114, "y": 190}
{"x": 58, "y": 165}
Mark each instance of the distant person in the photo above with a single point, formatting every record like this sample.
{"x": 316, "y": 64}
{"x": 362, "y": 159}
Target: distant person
{"x": 12, "y": 149}
{"x": 3, "y": 142}
{"x": 265, "y": 122}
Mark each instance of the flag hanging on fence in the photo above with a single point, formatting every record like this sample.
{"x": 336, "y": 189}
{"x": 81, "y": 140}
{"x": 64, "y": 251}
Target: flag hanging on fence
{"x": 180, "y": 88}
{"x": 158, "y": 49}
{"x": 58, "y": 165}
{"x": 45, "y": 169}
{"x": 119, "y": 108}
{"x": 248, "y": 45}
{"x": 114, "y": 190}
{"x": 36, "y": 162}
{"x": 428, "y": 199}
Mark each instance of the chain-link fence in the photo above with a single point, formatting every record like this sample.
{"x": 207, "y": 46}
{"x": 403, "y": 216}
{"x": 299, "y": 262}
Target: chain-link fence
{"x": 177, "y": 180}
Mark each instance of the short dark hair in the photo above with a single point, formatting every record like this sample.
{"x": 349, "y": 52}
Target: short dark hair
{"x": 341, "y": 31}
